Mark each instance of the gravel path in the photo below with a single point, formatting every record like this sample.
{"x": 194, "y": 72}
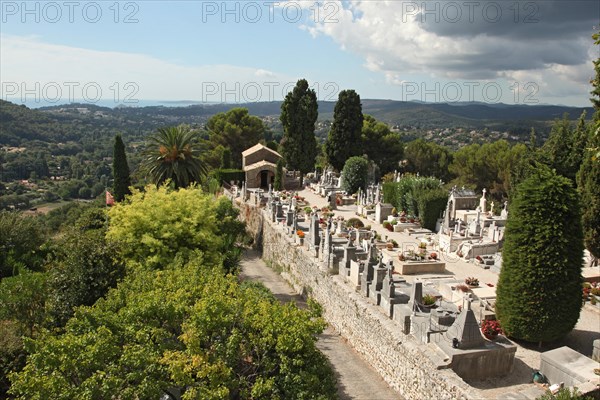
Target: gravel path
{"x": 356, "y": 379}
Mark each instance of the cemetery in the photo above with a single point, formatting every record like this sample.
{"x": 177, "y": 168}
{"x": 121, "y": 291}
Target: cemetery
{"x": 399, "y": 291}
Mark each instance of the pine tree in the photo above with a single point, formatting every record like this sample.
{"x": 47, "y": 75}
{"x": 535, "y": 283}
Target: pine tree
{"x": 122, "y": 181}
{"x": 298, "y": 116}
{"x": 344, "y": 137}
{"x": 539, "y": 288}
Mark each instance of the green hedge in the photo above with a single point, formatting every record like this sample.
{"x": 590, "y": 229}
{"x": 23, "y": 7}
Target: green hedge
{"x": 406, "y": 194}
{"x": 390, "y": 193}
{"x": 430, "y": 204}
{"x": 228, "y": 175}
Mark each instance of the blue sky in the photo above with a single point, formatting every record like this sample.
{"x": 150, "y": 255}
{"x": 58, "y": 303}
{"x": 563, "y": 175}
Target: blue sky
{"x": 527, "y": 52}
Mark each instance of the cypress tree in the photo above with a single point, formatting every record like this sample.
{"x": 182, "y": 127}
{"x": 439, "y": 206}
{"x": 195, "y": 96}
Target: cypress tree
{"x": 278, "y": 183}
{"x": 298, "y": 116}
{"x": 539, "y": 288}
{"x": 226, "y": 158}
{"x": 120, "y": 170}
{"x": 344, "y": 137}
{"x": 588, "y": 181}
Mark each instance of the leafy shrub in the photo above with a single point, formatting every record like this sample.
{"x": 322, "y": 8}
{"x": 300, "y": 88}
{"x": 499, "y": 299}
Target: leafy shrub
{"x": 354, "y": 223}
{"x": 355, "y": 174}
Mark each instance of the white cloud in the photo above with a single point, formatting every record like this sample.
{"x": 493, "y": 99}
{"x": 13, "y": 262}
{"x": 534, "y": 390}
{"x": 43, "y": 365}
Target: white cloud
{"x": 396, "y": 39}
{"x": 36, "y": 66}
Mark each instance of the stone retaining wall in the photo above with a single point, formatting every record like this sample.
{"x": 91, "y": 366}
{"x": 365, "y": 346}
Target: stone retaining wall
{"x": 408, "y": 367}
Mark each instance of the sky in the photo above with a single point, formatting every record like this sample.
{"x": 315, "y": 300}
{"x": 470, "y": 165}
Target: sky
{"x": 138, "y": 52}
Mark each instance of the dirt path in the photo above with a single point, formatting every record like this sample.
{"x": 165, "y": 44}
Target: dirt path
{"x": 356, "y": 379}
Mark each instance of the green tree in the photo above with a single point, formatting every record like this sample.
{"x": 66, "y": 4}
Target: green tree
{"x": 174, "y": 154}
{"x": 344, "y": 139}
{"x": 226, "y": 159}
{"x": 428, "y": 159}
{"x": 157, "y": 225}
{"x": 21, "y": 238}
{"x": 487, "y": 166}
{"x": 188, "y": 327}
{"x": 354, "y": 174}
{"x": 298, "y": 116}
{"x": 563, "y": 151}
{"x": 381, "y": 145}
{"x": 589, "y": 188}
{"x": 595, "y": 99}
{"x": 122, "y": 181}
{"x": 278, "y": 184}
{"x": 539, "y": 288}
{"x": 22, "y": 300}
{"x": 83, "y": 270}
{"x": 236, "y": 130}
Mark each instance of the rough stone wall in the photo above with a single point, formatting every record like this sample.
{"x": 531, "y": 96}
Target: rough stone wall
{"x": 408, "y": 367}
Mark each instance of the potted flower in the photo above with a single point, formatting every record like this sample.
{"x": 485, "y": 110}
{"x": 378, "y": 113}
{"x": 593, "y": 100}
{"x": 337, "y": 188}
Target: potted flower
{"x": 401, "y": 257}
{"x": 388, "y": 226}
{"x": 491, "y": 329}
{"x": 429, "y": 300}
{"x": 472, "y": 281}
{"x": 433, "y": 256}
{"x": 300, "y": 235}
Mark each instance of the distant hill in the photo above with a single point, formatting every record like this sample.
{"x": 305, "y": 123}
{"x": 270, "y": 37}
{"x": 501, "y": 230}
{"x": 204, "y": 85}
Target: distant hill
{"x": 71, "y": 122}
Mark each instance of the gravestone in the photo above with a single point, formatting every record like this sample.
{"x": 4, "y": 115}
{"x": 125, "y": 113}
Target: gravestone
{"x": 382, "y": 211}
{"x": 315, "y": 238}
{"x": 376, "y": 283}
{"x": 389, "y": 298}
{"x": 466, "y": 329}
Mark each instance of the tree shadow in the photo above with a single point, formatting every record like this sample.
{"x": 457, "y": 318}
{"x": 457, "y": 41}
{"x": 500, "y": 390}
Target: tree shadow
{"x": 578, "y": 339}
{"x": 324, "y": 346}
{"x": 521, "y": 374}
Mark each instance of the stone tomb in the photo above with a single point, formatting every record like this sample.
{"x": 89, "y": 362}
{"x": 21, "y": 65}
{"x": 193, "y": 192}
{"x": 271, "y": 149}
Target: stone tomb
{"x": 568, "y": 366}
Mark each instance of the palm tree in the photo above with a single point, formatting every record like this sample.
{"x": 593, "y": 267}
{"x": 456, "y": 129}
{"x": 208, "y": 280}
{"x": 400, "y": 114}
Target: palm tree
{"x": 174, "y": 153}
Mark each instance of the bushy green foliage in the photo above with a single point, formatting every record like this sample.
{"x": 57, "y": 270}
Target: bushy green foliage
{"x": 390, "y": 193}
{"x": 428, "y": 159}
{"x": 563, "y": 150}
{"x": 488, "y": 166}
{"x": 158, "y": 224}
{"x": 417, "y": 195}
{"x": 228, "y": 175}
{"x": 12, "y": 353}
{"x": 122, "y": 181}
{"x": 187, "y": 327}
{"x": 21, "y": 238}
{"x": 235, "y": 130}
{"x": 226, "y": 159}
{"x": 430, "y": 204}
{"x": 381, "y": 145}
{"x": 83, "y": 270}
{"x": 355, "y": 174}
{"x": 539, "y": 288}
{"x": 22, "y": 300}
{"x": 298, "y": 117}
{"x": 344, "y": 138}
{"x": 564, "y": 394}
